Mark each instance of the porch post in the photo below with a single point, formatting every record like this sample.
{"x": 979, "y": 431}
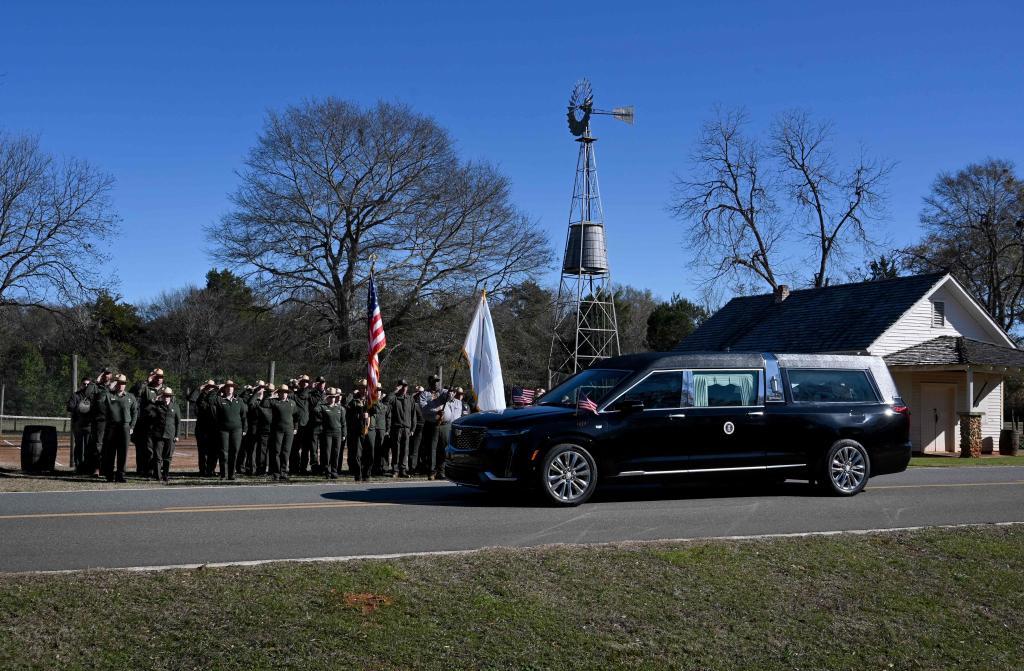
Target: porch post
{"x": 970, "y": 423}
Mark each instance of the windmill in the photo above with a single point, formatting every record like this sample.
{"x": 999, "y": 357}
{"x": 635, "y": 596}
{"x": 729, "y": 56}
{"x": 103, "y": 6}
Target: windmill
{"x": 585, "y": 327}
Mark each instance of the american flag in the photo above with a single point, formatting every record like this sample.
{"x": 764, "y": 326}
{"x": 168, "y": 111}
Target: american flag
{"x": 584, "y": 403}
{"x": 376, "y": 342}
{"x": 522, "y": 396}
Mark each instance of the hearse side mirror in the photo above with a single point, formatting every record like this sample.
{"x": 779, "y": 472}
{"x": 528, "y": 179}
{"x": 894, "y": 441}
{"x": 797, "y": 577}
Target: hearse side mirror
{"x": 627, "y": 407}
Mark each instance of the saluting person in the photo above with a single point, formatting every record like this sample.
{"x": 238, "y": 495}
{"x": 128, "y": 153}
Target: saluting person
{"x": 259, "y": 426}
{"x": 163, "y": 422}
{"x": 231, "y": 416}
{"x": 331, "y": 419}
{"x": 147, "y": 394}
{"x": 96, "y": 394}
{"x": 121, "y": 410}
{"x": 79, "y": 407}
{"x": 284, "y": 415}
{"x": 403, "y": 418}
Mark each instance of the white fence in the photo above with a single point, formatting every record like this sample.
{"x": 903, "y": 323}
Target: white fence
{"x": 15, "y": 424}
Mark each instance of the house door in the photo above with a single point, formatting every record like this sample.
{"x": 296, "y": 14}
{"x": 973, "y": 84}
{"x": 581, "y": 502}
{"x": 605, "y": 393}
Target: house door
{"x": 938, "y": 417}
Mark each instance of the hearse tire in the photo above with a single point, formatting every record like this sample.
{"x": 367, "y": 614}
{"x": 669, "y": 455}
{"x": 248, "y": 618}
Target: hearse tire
{"x": 845, "y": 469}
{"x": 567, "y": 476}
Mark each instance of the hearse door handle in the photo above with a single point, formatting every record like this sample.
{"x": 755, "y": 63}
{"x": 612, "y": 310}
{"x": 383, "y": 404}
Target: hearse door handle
{"x": 755, "y": 413}
{"x": 678, "y": 415}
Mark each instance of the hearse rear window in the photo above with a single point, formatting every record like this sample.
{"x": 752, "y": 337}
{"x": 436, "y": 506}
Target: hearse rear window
{"x": 724, "y": 388}
{"x": 831, "y": 386}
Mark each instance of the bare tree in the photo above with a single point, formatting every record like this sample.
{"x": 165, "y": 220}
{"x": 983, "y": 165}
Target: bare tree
{"x": 331, "y": 185}
{"x": 730, "y": 207}
{"x": 974, "y": 228}
{"x": 52, "y": 214}
{"x": 745, "y": 202}
{"x": 836, "y": 203}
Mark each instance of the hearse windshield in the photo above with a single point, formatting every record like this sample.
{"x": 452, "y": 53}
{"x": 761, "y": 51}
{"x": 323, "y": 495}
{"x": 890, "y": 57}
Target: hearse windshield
{"x": 595, "y": 384}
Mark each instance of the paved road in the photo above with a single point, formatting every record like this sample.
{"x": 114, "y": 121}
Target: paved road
{"x": 156, "y": 527}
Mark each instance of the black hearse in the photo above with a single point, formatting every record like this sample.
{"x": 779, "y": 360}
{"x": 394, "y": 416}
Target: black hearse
{"x": 832, "y": 419}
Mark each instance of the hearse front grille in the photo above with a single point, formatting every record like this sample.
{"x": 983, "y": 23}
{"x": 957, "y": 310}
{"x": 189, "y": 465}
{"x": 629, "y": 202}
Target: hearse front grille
{"x": 468, "y": 438}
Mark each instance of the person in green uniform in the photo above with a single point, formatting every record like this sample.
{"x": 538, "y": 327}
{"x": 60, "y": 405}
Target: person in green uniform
{"x": 299, "y": 453}
{"x": 317, "y": 392}
{"x": 95, "y": 393}
{"x": 403, "y": 418}
{"x": 246, "y": 462}
{"x": 163, "y": 421}
{"x": 230, "y": 414}
{"x": 377, "y": 435}
{"x": 360, "y": 454}
{"x": 207, "y": 435}
{"x": 147, "y": 394}
{"x": 284, "y": 415}
{"x": 121, "y": 410}
{"x": 80, "y": 422}
{"x": 261, "y": 418}
{"x": 331, "y": 419}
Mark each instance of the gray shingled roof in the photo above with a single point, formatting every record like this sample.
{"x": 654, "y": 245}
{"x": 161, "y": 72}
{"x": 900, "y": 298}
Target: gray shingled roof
{"x": 956, "y": 351}
{"x": 838, "y": 318}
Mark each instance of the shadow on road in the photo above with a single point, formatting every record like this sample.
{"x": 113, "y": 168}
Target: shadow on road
{"x": 432, "y": 495}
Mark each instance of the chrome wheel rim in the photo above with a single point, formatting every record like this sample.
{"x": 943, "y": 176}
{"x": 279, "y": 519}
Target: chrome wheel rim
{"x": 848, "y": 469}
{"x": 568, "y": 476}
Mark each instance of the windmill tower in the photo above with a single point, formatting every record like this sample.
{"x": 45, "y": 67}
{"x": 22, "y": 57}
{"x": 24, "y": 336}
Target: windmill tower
{"x": 585, "y": 327}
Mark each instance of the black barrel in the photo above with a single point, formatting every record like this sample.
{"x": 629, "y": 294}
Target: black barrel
{"x": 38, "y": 448}
{"x": 1009, "y": 440}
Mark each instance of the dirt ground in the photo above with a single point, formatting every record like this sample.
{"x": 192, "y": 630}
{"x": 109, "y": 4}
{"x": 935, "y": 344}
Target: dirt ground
{"x": 186, "y": 458}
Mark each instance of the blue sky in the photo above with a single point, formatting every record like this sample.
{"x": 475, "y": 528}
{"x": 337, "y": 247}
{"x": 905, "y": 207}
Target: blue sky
{"x": 169, "y": 97}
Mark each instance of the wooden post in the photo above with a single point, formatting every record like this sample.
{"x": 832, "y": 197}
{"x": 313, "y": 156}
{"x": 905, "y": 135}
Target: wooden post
{"x": 74, "y": 373}
{"x": 270, "y": 377}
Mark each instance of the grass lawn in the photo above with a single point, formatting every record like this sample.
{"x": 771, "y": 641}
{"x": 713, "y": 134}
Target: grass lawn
{"x": 932, "y": 599}
{"x": 957, "y": 461}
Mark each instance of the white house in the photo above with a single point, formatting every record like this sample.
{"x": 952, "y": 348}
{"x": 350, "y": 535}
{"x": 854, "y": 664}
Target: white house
{"x": 947, "y": 356}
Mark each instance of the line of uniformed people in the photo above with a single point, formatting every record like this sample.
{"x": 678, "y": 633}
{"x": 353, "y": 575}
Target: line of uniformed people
{"x": 105, "y": 417}
{"x": 298, "y": 428}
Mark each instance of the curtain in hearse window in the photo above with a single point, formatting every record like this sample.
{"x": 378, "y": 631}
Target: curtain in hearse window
{"x": 831, "y": 386}
{"x": 724, "y": 388}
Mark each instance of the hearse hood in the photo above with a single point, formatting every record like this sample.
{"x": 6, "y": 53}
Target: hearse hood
{"x": 510, "y": 417}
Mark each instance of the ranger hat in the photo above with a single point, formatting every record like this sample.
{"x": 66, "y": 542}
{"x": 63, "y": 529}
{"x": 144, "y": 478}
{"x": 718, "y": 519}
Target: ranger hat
{"x": 168, "y": 391}
{"x": 157, "y": 372}
{"x": 229, "y": 383}
{"x": 361, "y": 382}
{"x": 283, "y": 387}
{"x": 271, "y": 387}
{"x": 209, "y": 383}
{"x": 459, "y": 390}
{"x": 333, "y": 391}
{"x": 304, "y": 378}
{"x": 120, "y": 378}
{"x": 260, "y": 383}
{"x": 419, "y": 387}
{"x": 403, "y": 382}
{"x": 321, "y": 378}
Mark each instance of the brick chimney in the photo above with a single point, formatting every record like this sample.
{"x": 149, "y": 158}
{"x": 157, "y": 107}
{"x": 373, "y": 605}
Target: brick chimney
{"x": 781, "y": 293}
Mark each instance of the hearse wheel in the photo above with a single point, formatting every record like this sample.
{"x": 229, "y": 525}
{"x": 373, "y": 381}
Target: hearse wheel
{"x": 568, "y": 475}
{"x": 845, "y": 469}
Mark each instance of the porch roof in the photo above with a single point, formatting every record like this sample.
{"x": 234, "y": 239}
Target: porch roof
{"x": 956, "y": 351}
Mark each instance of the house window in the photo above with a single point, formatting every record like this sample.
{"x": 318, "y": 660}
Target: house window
{"x": 938, "y": 314}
